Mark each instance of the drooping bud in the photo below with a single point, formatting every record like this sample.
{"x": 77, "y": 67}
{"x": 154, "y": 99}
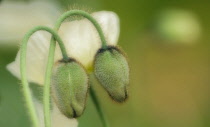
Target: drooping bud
{"x": 70, "y": 87}
{"x": 112, "y": 71}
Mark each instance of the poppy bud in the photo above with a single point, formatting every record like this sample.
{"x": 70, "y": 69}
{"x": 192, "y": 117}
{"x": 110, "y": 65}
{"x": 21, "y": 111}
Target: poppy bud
{"x": 112, "y": 71}
{"x": 70, "y": 87}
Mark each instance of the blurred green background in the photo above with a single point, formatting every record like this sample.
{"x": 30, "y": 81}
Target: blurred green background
{"x": 169, "y": 84}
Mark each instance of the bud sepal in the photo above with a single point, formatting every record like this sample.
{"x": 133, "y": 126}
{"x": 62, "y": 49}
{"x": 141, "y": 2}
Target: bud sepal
{"x": 112, "y": 71}
{"x": 70, "y": 87}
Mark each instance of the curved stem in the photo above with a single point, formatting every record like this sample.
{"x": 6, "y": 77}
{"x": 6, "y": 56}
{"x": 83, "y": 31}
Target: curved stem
{"x": 48, "y": 73}
{"x": 89, "y": 17}
{"x": 23, "y": 50}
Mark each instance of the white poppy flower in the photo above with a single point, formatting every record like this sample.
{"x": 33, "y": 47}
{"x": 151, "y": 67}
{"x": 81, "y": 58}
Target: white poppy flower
{"x": 80, "y": 39}
{"x": 19, "y": 17}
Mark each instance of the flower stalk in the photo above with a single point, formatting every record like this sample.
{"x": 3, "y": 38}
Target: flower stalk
{"x": 50, "y": 63}
{"x": 23, "y": 50}
{"x": 98, "y": 107}
{"x": 46, "y": 98}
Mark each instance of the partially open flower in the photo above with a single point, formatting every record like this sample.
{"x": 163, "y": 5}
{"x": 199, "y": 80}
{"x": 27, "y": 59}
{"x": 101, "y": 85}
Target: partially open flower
{"x": 70, "y": 87}
{"x": 112, "y": 71}
{"x": 81, "y": 41}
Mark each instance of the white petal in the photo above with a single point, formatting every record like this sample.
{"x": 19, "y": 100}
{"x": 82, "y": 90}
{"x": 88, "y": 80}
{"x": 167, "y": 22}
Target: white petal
{"x": 110, "y": 24}
{"x": 58, "y": 119}
{"x": 19, "y": 17}
{"x": 82, "y": 40}
{"x": 36, "y": 58}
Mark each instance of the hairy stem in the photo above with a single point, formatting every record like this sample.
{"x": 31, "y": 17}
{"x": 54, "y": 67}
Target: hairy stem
{"x": 23, "y": 50}
{"x": 89, "y": 17}
{"x": 98, "y": 107}
{"x": 52, "y": 52}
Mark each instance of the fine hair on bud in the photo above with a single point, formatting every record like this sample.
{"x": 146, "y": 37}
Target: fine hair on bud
{"x": 112, "y": 71}
{"x": 70, "y": 87}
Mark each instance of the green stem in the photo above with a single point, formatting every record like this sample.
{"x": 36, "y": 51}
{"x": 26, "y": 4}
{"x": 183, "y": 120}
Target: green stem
{"x": 63, "y": 17}
{"x": 23, "y": 50}
{"x": 98, "y": 107}
{"x": 89, "y": 17}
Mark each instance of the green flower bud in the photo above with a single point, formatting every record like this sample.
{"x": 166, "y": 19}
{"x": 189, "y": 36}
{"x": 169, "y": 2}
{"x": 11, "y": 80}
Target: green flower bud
{"x": 70, "y": 87}
{"x": 112, "y": 71}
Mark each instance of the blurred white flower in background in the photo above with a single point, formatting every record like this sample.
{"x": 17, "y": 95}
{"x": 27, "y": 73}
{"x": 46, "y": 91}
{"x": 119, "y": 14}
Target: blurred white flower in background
{"x": 17, "y": 17}
{"x": 179, "y": 26}
{"x": 81, "y": 41}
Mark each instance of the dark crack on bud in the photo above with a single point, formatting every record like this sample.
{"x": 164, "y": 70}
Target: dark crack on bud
{"x": 74, "y": 113}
